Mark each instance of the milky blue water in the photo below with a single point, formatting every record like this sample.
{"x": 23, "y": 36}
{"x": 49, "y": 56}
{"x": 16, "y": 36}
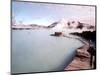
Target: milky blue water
{"x": 37, "y": 51}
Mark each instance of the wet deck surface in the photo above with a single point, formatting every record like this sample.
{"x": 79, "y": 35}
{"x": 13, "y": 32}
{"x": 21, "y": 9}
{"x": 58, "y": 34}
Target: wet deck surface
{"x": 79, "y": 64}
{"x": 81, "y": 61}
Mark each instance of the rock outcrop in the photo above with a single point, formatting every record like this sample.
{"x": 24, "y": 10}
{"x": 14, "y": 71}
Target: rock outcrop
{"x": 86, "y": 55}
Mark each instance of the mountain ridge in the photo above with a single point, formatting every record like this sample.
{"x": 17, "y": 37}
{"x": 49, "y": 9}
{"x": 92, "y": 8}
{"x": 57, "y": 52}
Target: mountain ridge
{"x": 61, "y": 25}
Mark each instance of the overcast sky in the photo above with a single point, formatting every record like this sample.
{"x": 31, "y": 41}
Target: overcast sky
{"x": 45, "y": 14}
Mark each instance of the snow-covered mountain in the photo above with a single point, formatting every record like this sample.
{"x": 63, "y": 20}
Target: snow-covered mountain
{"x": 63, "y": 25}
{"x": 71, "y": 25}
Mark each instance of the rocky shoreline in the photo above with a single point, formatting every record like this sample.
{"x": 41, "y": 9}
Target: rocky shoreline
{"x": 82, "y": 60}
{"x": 85, "y": 55}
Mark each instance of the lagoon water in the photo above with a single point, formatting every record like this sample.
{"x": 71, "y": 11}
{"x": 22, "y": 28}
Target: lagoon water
{"x": 37, "y": 51}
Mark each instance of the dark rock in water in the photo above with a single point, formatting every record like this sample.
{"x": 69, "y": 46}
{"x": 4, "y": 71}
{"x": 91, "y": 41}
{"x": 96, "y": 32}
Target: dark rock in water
{"x": 56, "y": 34}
